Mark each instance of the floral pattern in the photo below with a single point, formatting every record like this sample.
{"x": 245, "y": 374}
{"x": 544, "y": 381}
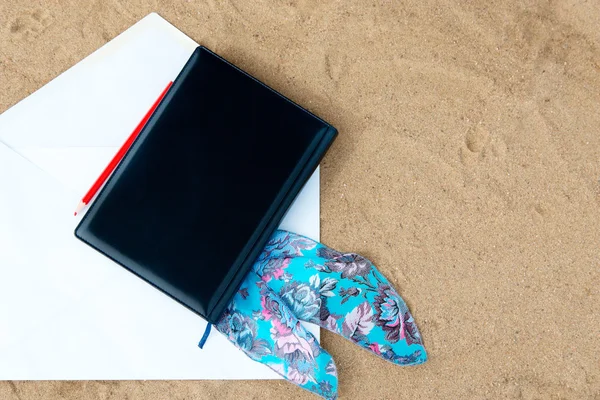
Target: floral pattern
{"x": 243, "y": 330}
{"x": 349, "y": 265}
{"x": 297, "y": 279}
{"x": 352, "y": 297}
{"x": 303, "y": 300}
{"x": 390, "y": 313}
{"x": 259, "y": 323}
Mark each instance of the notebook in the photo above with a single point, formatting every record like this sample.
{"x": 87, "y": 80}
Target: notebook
{"x": 206, "y": 183}
{"x": 74, "y": 313}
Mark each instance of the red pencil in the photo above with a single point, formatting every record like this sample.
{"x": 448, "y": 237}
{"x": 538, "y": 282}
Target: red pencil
{"x": 119, "y": 156}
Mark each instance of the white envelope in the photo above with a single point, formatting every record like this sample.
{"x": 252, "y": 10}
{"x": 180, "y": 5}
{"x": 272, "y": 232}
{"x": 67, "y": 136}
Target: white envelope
{"x": 66, "y": 311}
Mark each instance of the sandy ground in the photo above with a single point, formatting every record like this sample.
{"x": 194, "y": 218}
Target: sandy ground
{"x": 467, "y": 168}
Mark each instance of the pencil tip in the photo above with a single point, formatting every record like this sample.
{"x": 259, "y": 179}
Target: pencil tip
{"x": 80, "y": 207}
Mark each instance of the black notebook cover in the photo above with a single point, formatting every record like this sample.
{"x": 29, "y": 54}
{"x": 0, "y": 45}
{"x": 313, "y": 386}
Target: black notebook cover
{"x": 205, "y": 184}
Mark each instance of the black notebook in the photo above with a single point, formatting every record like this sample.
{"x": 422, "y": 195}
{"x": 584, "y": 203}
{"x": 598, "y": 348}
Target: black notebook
{"x": 205, "y": 184}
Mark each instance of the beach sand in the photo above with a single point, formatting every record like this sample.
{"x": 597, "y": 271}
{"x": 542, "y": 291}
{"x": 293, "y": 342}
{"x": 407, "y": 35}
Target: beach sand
{"x": 467, "y": 168}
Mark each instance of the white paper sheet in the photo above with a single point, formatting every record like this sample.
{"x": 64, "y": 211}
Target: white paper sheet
{"x": 66, "y": 311}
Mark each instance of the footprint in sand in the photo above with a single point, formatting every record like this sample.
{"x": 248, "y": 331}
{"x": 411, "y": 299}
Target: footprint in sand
{"x": 335, "y": 65}
{"x": 479, "y": 146}
{"x": 476, "y": 139}
{"x": 542, "y": 211}
{"x": 30, "y": 24}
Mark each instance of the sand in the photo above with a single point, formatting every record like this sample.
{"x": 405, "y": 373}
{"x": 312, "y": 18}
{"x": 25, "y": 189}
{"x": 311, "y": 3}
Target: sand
{"x": 467, "y": 168}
